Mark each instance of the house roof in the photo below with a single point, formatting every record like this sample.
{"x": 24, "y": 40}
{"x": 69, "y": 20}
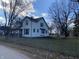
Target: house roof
{"x": 35, "y": 19}
{"x": 32, "y": 19}
{"x": 18, "y": 24}
{"x": 45, "y": 22}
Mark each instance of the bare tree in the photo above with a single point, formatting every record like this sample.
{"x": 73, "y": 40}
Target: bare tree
{"x": 75, "y": 9}
{"x": 51, "y": 27}
{"x": 54, "y": 13}
{"x": 13, "y": 9}
{"x": 76, "y": 19}
{"x": 60, "y": 13}
{"x": 75, "y": 0}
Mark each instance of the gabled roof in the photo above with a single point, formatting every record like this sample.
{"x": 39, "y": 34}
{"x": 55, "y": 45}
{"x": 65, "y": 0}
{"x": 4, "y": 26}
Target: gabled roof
{"x": 35, "y": 19}
{"x": 45, "y": 22}
{"x": 32, "y": 19}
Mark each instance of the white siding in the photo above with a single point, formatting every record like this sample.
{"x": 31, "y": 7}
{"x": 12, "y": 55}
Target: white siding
{"x": 34, "y": 25}
{"x": 26, "y": 27}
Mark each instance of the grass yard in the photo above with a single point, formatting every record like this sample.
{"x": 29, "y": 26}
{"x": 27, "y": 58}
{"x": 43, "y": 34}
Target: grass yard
{"x": 66, "y": 46}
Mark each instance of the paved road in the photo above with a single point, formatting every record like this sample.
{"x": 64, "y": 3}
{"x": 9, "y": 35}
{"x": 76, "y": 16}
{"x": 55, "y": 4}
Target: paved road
{"x": 9, "y": 53}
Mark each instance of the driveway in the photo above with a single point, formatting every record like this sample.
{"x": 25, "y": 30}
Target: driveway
{"x": 9, "y": 53}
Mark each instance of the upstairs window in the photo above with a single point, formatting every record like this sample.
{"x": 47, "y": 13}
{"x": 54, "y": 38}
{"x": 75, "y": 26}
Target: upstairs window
{"x": 41, "y": 24}
{"x": 26, "y": 22}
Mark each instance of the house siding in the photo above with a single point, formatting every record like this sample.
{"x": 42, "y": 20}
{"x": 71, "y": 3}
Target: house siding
{"x": 34, "y": 25}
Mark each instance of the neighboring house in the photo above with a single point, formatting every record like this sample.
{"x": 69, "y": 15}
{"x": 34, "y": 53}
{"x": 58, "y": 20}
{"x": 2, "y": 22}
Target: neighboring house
{"x": 34, "y": 27}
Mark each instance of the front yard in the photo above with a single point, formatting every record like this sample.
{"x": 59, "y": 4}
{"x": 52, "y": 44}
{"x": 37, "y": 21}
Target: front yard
{"x": 66, "y": 46}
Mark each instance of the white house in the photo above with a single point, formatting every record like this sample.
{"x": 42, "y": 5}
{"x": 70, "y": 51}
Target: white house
{"x": 34, "y": 27}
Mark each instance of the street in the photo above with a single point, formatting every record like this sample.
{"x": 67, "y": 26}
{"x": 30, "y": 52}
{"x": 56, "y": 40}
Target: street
{"x": 9, "y": 53}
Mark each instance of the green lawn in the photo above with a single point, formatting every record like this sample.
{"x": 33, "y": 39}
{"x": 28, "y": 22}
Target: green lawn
{"x": 69, "y": 47}
{"x": 66, "y": 46}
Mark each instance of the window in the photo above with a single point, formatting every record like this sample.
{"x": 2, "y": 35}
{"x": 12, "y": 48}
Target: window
{"x": 42, "y": 31}
{"x": 26, "y": 22}
{"x": 41, "y": 24}
{"x": 46, "y": 31}
{"x": 33, "y": 30}
{"x": 26, "y": 31}
{"x": 37, "y": 30}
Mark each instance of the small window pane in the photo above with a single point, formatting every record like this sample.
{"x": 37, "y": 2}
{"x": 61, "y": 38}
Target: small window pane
{"x": 33, "y": 30}
{"x": 46, "y": 31}
{"x": 37, "y": 30}
{"x": 26, "y": 22}
{"x": 41, "y": 24}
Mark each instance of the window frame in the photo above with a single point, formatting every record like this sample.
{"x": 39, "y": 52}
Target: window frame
{"x": 43, "y": 31}
{"x": 34, "y": 30}
{"x": 26, "y": 22}
{"x": 41, "y": 24}
{"x": 38, "y": 30}
{"x": 26, "y": 31}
